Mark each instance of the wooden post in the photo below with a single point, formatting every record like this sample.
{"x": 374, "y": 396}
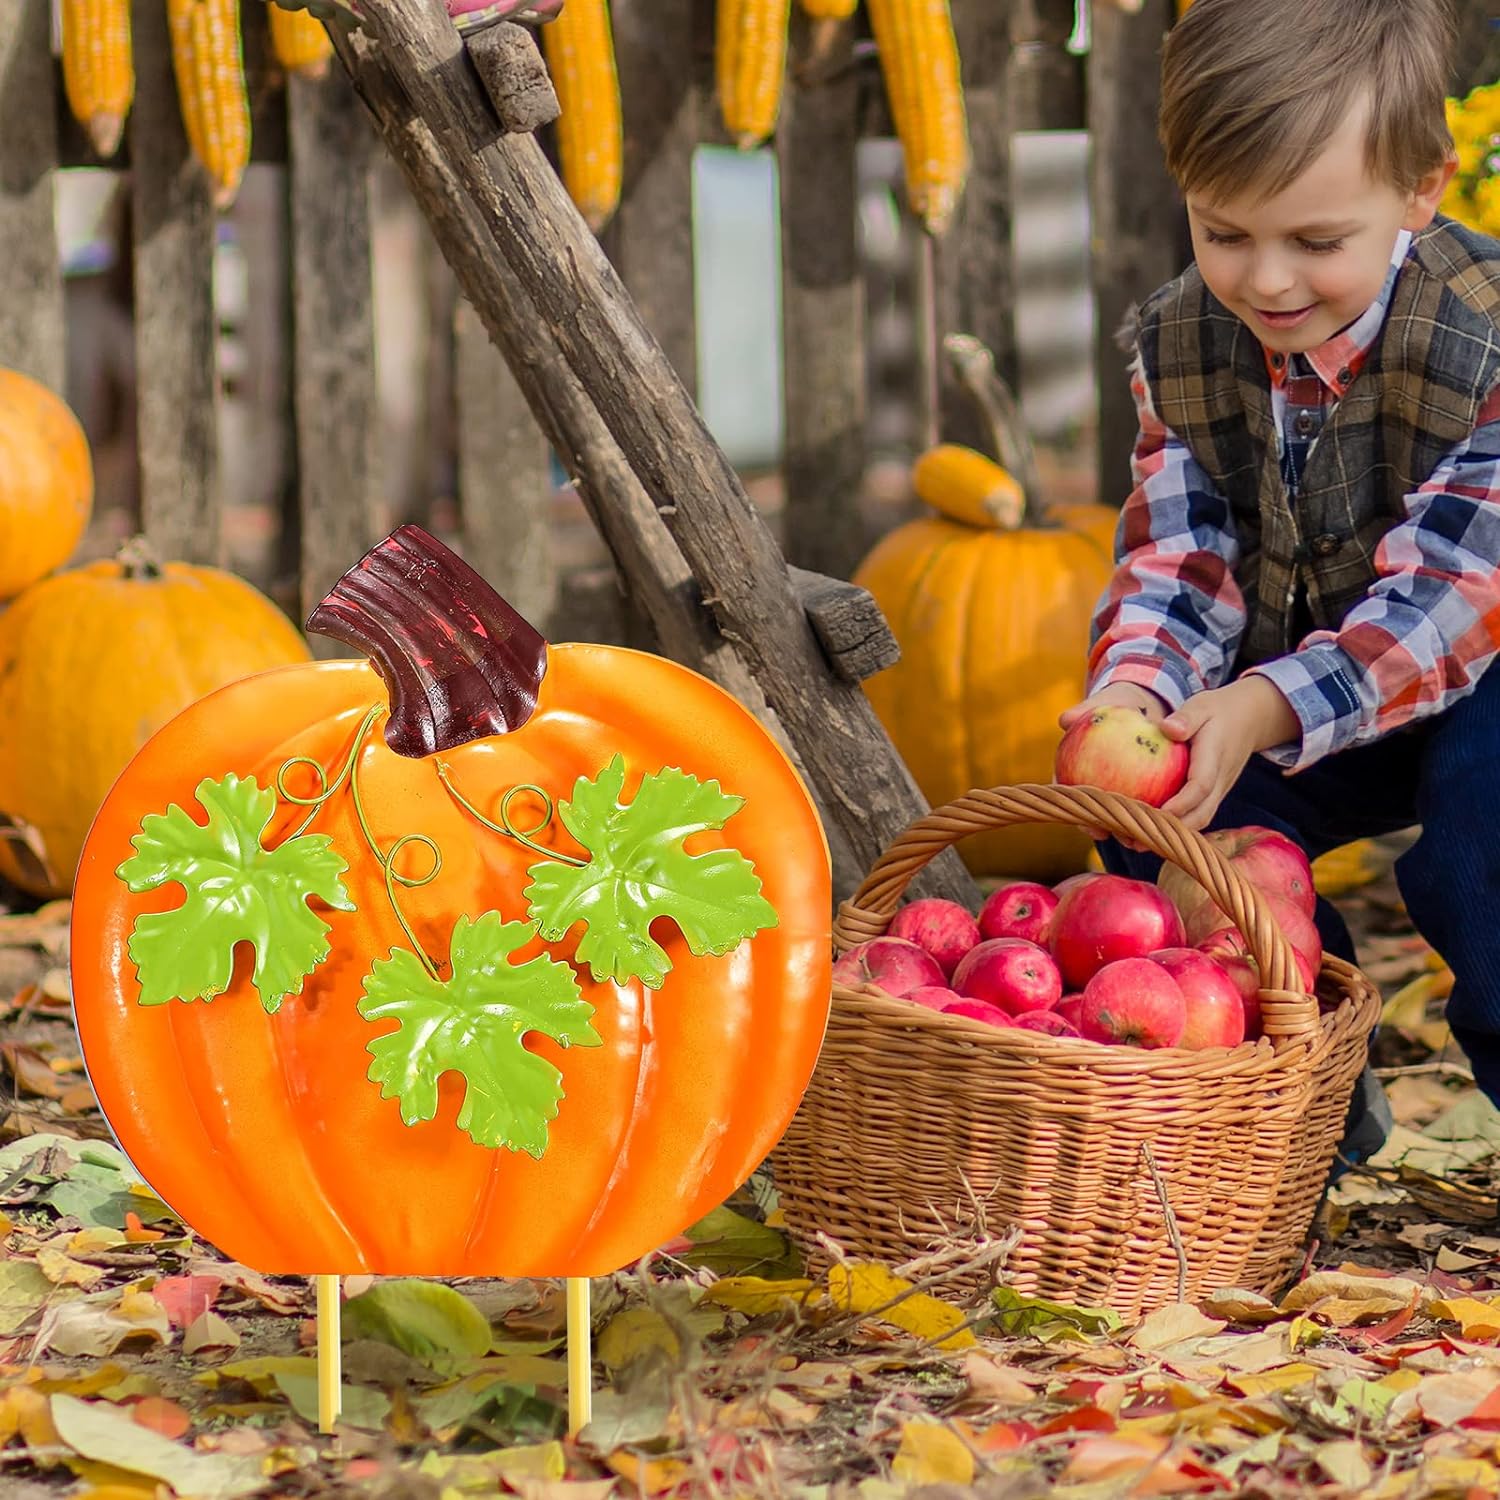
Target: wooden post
{"x": 1045, "y": 81}
{"x": 822, "y": 302}
{"x": 974, "y": 291}
{"x": 1135, "y": 210}
{"x": 528, "y": 263}
{"x": 333, "y": 335}
{"x": 32, "y": 338}
{"x": 173, "y": 222}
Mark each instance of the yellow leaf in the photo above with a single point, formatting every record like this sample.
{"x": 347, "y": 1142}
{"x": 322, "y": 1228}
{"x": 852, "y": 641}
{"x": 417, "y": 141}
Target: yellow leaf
{"x": 1479, "y": 1320}
{"x": 1283, "y": 1378}
{"x": 757, "y": 1294}
{"x": 1236, "y": 1305}
{"x": 650, "y": 1476}
{"x": 992, "y": 1380}
{"x": 1406, "y": 1010}
{"x": 1345, "y": 1463}
{"x": 1401, "y": 1380}
{"x": 635, "y": 1332}
{"x": 1462, "y": 1474}
{"x": 1346, "y": 868}
{"x": 63, "y": 1270}
{"x": 862, "y": 1287}
{"x": 97, "y": 1237}
{"x": 25, "y": 1410}
{"x": 1375, "y": 1296}
{"x": 1173, "y": 1324}
{"x": 932, "y": 1454}
{"x": 261, "y": 1372}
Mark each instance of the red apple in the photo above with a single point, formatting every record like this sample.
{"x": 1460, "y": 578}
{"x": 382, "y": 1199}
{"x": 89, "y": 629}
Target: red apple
{"x": 932, "y": 996}
{"x": 1111, "y": 917}
{"x": 1215, "y": 1012}
{"x": 1270, "y": 861}
{"x": 1136, "y": 1001}
{"x": 1070, "y": 1008}
{"x": 896, "y": 965}
{"x": 1009, "y": 972}
{"x": 1022, "y": 909}
{"x": 978, "y": 1010}
{"x": 1047, "y": 1021}
{"x": 1245, "y": 977}
{"x": 944, "y": 928}
{"x": 1121, "y": 750}
{"x": 1072, "y": 882}
{"x": 1297, "y": 927}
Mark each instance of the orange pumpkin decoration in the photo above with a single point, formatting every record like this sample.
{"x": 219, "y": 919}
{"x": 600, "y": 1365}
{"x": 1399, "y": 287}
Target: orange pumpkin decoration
{"x": 514, "y": 1122}
{"x": 92, "y": 662}
{"x": 46, "y": 482}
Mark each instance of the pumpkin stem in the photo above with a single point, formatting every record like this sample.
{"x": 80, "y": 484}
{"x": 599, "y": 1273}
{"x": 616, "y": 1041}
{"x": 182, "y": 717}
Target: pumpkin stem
{"x": 974, "y": 366}
{"x": 137, "y": 559}
{"x": 458, "y": 662}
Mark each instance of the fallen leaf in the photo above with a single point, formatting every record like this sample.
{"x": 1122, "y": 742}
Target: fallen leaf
{"x": 87, "y": 1328}
{"x": 1343, "y": 1298}
{"x": 358, "y": 1405}
{"x": 208, "y": 1331}
{"x": 426, "y": 1319}
{"x": 931, "y": 1453}
{"x": 731, "y": 1244}
{"x": 863, "y": 1287}
{"x": 23, "y": 1289}
{"x": 1448, "y": 1398}
{"x": 26, "y": 1412}
{"x": 634, "y": 1334}
{"x": 1478, "y": 1320}
{"x": 1237, "y": 1305}
{"x": 1345, "y": 1463}
{"x": 1020, "y": 1315}
{"x": 63, "y": 1270}
{"x": 1175, "y": 1323}
{"x": 756, "y": 1295}
{"x": 161, "y": 1415}
{"x": 991, "y": 1380}
{"x": 1281, "y": 1378}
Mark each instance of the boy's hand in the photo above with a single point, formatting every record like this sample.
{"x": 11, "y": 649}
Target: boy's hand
{"x": 1223, "y": 728}
{"x": 1126, "y": 694}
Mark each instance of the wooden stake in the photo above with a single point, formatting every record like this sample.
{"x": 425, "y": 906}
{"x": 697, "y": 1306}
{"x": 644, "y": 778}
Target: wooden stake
{"x": 580, "y": 1355}
{"x": 330, "y": 1354}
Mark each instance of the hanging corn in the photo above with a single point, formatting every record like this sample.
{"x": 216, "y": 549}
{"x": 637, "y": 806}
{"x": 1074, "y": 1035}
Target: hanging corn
{"x": 580, "y": 52}
{"x": 299, "y": 41}
{"x": 749, "y": 66}
{"x": 98, "y": 74}
{"x": 919, "y": 61}
{"x": 211, "y": 89}
{"x": 828, "y": 10}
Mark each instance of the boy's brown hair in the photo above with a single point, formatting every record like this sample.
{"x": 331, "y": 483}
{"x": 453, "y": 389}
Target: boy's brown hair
{"x": 1252, "y": 90}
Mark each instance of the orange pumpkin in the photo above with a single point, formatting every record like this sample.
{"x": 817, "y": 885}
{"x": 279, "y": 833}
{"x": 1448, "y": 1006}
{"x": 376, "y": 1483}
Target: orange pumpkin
{"x": 46, "y": 482}
{"x": 268, "y": 1127}
{"x": 92, "y": 661}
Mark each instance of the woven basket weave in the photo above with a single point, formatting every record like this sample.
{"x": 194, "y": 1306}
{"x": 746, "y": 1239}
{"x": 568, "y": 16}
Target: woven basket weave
{"x": 1102, "y": 1155}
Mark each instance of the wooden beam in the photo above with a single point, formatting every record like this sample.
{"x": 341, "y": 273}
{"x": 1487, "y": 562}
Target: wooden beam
{"x": 1045, "y": 82}
{"x": 173, "y": 223}
{"x": 32, "y": 333}
{"x": 848, "y": 623}
{"x": 575, "y": 304}
{"x": 822, "y": 301}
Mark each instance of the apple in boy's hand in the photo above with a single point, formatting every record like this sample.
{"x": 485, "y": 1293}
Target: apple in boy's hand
{"x": 1108, "y": 918}
{"x": 896, "y": 965}
{"x": 1009, "y": 972}
{"x": 944, "y": 928}
{"x": 1119, "y": 749}
{"x": 1133, "y": 1000}
{"x": 1021, "y": 909}
{"x": 1215, "y": 1012}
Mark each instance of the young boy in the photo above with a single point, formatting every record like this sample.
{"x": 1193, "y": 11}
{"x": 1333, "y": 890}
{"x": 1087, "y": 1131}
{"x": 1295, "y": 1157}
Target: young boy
{"x": 1307, "y": 589}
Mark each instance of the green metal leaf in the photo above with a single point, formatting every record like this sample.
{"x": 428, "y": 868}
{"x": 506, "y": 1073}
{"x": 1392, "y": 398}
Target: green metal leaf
{"x": 474, "y": 1023}
{"x": 639, "y": 871}
{"x": 237, "y": 891}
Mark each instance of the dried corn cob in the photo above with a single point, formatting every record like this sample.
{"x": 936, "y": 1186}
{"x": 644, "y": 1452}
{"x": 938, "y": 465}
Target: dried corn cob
{"x": 580, "y": 53}
{"x": 749, "y": 64}
{"x": 299, "y": 41}
{"x": 919, "y": 60}
{"x": 98, "y": 75}
{"x": 828, "y": 10}
{"x": 211, "y": 89}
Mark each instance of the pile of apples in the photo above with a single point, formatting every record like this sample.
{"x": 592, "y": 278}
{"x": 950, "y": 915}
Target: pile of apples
{"x": 1101, "y": 957}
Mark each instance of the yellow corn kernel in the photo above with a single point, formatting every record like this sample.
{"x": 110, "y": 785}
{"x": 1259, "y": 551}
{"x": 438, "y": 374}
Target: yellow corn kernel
{"x": 828, "y": 10}
{"x": 299, "y": 41}
{"x": 919, "y": 61}
{"x": 211, "y": 94}
{"x": 749, "y": 66}
{"x": 580, "y": 51}
{"x": 98, "y": 73}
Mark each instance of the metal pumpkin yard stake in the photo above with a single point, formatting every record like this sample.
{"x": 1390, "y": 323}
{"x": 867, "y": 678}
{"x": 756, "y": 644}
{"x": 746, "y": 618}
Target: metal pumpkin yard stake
{"x": 491, "y": 958}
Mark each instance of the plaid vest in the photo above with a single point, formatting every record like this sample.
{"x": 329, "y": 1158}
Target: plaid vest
{"x": 1416, "y": 397}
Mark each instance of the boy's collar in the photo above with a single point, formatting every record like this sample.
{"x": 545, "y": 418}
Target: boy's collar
{"x": 1337, "y": 360}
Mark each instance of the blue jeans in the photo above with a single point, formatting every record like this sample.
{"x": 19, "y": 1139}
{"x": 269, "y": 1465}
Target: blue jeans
{"x": 1442, "y": 773}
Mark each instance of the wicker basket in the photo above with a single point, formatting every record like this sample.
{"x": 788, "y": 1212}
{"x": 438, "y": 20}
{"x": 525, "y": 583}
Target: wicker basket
{"x": 1137, "y": 1177}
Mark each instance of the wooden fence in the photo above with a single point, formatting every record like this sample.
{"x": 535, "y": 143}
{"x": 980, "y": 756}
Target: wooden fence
{"x": 1019, "y": 75}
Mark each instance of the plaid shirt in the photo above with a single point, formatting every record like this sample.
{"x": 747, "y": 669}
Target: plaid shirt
{"x": 1172, "y": 616}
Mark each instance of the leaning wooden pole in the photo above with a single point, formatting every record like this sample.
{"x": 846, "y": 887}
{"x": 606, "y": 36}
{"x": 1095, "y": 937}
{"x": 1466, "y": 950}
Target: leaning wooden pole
{"x": 589, "y": 368}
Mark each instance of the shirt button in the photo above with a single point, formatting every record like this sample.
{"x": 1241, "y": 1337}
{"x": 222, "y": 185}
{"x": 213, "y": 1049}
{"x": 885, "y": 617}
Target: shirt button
{"x": 1345, "y": 375}
{"x": 1278, "y": 360}
{"x": 1326, "y": 544}
{"x": 1304, "y": 424}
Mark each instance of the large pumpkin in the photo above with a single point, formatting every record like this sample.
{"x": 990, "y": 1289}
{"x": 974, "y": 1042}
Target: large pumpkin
{"x": 991, "y": 610}
{"x": 607, "y": 1002}
{"x": 46, "y": 482}
{"x": 92, "y": 662}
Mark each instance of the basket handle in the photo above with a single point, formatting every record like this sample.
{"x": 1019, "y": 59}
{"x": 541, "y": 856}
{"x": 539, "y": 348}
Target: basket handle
{"x": 1288, "y": 1016}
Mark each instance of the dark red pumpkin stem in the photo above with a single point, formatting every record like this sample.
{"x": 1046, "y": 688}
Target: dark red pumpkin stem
{"x": 458, "y": 662}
